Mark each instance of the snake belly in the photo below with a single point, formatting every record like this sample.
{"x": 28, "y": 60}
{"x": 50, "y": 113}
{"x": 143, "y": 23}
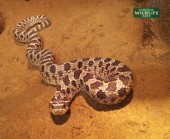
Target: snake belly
{"x": 106, "y": 80}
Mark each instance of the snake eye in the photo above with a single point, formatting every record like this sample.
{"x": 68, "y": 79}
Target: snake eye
{"x": 15, "y": 35}
{"x": 21, "y": 36}
{"x": 31, "y": 56}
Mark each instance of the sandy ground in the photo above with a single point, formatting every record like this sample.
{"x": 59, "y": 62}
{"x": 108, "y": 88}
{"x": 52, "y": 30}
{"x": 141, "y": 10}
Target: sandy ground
{"x": 83, "y": 28}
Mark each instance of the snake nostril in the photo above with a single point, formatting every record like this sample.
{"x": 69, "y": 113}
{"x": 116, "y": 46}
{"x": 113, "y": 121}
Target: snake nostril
{"x": 64, "y": 106}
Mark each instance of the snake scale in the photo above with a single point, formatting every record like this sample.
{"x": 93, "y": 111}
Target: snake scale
{"x": 106, "y": 80}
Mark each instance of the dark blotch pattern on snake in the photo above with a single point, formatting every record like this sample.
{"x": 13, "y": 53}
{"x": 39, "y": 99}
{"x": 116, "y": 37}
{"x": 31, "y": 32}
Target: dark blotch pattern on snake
{"x": 106, "y": 80}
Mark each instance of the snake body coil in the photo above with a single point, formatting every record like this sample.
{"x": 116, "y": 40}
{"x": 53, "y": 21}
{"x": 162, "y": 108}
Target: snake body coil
{"x": 106, "y": 80}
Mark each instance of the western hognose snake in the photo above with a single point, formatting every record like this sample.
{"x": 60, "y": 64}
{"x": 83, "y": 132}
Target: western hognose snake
{"x": 106, "y": 80}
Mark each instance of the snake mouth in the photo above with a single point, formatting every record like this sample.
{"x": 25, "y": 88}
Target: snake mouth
{"x": 58, "y": 109}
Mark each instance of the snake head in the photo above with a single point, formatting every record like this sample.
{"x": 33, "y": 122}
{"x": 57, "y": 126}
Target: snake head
{"x": 59, "y": 106}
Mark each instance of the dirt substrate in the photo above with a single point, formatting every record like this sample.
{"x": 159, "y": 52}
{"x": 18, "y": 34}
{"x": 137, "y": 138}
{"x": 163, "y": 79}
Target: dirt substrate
{"x": 83, "y": 29}
{"x": 1, "y": 23}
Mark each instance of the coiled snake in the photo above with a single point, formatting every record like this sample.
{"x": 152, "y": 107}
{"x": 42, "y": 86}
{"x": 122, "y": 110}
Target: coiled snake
{"x": 106, "y": 80}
